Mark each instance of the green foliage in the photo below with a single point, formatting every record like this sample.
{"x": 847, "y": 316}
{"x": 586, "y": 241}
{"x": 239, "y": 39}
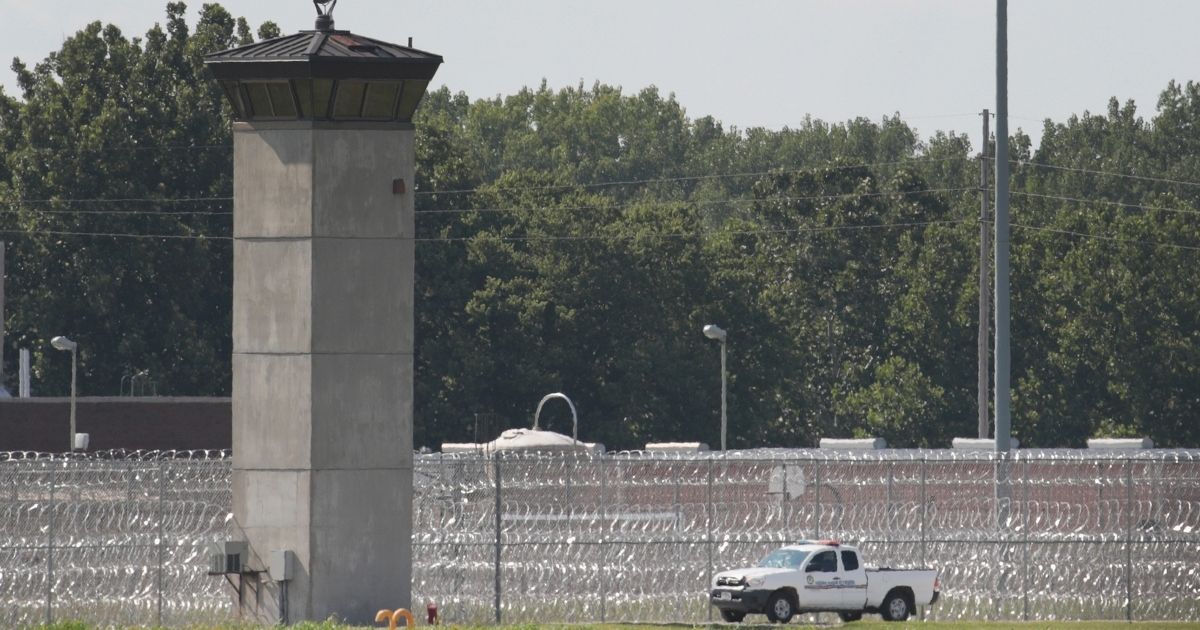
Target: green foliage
{"x": 65, "y": 625}
{"x": 578, "y": 240}
{"x": 328, "y": 624}
{"x": 108, "y": 117}
{"x": 834, "y": 330}
{"x": 901, "y": 405}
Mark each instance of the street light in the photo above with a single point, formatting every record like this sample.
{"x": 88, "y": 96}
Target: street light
{"x": 712, "y": 331}
{"x": 64, "y": 344}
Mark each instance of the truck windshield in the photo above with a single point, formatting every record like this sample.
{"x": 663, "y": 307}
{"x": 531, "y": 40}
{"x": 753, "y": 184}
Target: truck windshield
{"x": 784, "y": 559}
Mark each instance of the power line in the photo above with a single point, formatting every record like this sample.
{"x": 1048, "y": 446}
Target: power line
{"x": 1146, "y": 178}
{"x": 1028, "y": 119}
{"x": 198, "y": 237}
{"x": 446, "y": 211}
{"x": 698, "y": 234}
{"x": 163, "y": 213}
{"x": 658, "y": 180}
{"x": 1103, "y": 237}
{"x": 804, "y": 170}
{"x": 224, "y": 200}
{"x": 166, "y": 200}
{"x": 1127, "y": 206}
{"x": 668, "y": 235}
{"x": 587, "y": 237}
{"x": 902, "y": 117}
{"x": 635, "y": 182}
{"x": 523, "y": 188}
{"x": 707, "y": 202}
{"x": 203, "y": 147}
{"x": 117, "y": 149}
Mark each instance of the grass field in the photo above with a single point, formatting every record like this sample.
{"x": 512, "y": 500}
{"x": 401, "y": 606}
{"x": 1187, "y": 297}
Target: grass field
{"x": 872, "y": 624}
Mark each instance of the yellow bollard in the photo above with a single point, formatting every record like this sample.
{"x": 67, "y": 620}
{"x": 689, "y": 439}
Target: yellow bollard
{"x": 393, "y": 618}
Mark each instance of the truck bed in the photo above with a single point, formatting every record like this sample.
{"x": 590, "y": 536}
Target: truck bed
{"x": 883, "y": 580}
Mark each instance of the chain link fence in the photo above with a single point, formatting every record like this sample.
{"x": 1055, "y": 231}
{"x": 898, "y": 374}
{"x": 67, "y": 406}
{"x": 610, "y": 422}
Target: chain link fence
{"x": 115, "y": 538}
{"x": 120, "y": 538}
{"x": 1046, "y": 534}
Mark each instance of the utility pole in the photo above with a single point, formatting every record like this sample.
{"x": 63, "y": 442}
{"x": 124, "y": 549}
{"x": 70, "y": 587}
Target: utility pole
{"x": 985, "y": 289}
{"x": 1002, "y": 394}
{"x": 2, "y": 331}
{"x": 1003, "y": 398}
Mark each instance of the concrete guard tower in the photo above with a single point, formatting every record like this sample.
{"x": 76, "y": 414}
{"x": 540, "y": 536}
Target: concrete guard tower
{"x": 323, "y": 318}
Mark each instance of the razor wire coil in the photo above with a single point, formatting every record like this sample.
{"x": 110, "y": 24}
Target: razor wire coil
{"x": 120, "y": 537}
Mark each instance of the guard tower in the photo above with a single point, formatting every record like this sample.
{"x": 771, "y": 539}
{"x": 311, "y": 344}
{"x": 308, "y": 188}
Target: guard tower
{"x": 323, "y": 318}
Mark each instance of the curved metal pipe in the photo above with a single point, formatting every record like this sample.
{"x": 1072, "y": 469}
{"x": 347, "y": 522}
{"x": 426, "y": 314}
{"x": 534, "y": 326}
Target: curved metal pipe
{"x": 574, "y": 416}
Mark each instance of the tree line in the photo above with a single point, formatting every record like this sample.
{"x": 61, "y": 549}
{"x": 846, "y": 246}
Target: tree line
{"x": 578, "y": 240}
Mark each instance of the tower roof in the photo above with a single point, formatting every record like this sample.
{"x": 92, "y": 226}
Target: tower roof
{"x": 323, "y": 54}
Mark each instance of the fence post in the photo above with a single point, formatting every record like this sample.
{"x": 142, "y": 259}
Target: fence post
{"x": 783, "y": 502}
{"x": 924, "y": 510}
{"x": 1025, "y": 532}
{"x": 1004, "y": 532}
{"x": 678, "y": 530}
{"x": 50, "y": 549}
{"x": 603, "y": 539}
{"x": 498, "y": 508}
{"x": 891, "y": 508}
{"x": 129, "y": 479}
{"x": 1155, "y": 488}
{"x": 162, "y": 514}
{"x": 708, "y": 525}
{"x": 817, "y": 497}
{"x": 1129, "y": 540}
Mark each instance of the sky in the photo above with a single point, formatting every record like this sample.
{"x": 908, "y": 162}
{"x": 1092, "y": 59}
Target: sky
{"x": 748, "y": 63}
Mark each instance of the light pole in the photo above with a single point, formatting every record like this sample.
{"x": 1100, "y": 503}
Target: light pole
{"x": 712, "y": 331}
{"x": 62, "y": 343}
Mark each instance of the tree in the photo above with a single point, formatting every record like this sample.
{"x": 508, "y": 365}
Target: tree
{"x": 109, "y": 118}
{"x": 901, "y": 405}
{"x": 578, "y": 239}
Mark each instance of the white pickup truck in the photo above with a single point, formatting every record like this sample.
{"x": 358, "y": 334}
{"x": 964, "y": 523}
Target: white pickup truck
{"x": 821, "y": 576}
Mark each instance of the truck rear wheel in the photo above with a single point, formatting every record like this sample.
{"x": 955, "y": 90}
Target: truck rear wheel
{"x": 780, "y": 608}
{"x": 733, "y": 616}
{"x": 895, "y": 607}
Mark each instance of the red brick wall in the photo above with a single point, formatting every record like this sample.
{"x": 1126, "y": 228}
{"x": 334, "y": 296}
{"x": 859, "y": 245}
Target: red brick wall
{"x": 43, "y": 424}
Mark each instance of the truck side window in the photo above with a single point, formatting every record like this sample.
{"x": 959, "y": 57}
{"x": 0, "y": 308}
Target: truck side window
{"x": 824, "y": 562}
{"x": 850, "y": 560}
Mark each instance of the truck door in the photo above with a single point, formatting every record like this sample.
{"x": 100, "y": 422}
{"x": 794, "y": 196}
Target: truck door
{"x": 821, "y": 582}
{"x": 853, "y": 581}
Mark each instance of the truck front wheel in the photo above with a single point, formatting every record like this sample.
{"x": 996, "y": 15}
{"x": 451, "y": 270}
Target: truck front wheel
{"x": 780, "y": 608}
{"x": 895, "y": 607}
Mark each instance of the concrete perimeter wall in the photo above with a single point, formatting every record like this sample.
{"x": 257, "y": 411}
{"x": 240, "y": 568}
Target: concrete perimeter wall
{"x": 158, "y": 423}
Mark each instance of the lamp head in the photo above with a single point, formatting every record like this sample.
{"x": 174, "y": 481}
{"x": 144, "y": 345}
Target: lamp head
{"x": 712, "y": 331}
{"x": 62, "y": 343}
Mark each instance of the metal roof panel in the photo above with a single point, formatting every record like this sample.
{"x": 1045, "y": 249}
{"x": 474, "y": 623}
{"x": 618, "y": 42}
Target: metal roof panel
{"x": 323, "y": 54}
{"x": 321, "y": 44}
